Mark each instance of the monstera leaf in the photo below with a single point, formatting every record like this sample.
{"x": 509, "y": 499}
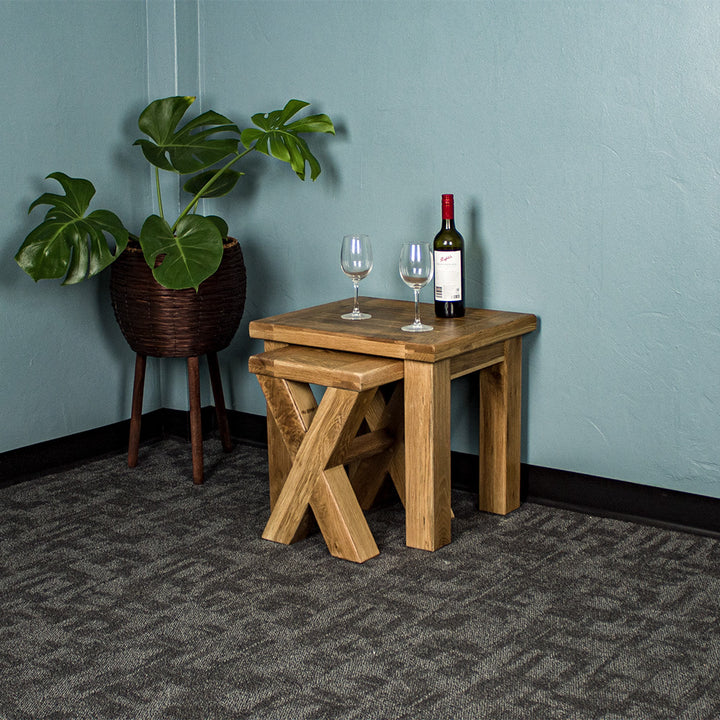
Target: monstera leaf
{"x": 273, "y": 137}
{"x": 192, "y": 252}
{"x": 189, "y": 148}
{"x": 69, "y": 243}
{"x": 201, "y": 186}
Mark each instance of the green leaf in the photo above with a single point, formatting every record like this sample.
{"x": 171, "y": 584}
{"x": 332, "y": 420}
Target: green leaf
{"x": 222, "y": 186}
{"x": 68, "y": 243}
{"x": 292, "y": 107}
{"x": 312, "y": 123}
{"x": 78, "y": 194}
{"x": 220, "y": 224}
{"x": 189, "y": 148}
{"x": 191, "y": 254}
{"x": 160, "y": 117}
{"x": 272, "y": 136}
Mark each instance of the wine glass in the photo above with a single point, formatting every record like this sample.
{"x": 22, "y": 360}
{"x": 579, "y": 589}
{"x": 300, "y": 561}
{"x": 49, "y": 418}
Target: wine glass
{"x": 356, "y": 261}
{"x": 416, "y": 271}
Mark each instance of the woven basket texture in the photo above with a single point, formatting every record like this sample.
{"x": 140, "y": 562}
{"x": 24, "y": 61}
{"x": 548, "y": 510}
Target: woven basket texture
{"x": 160, "y": 322}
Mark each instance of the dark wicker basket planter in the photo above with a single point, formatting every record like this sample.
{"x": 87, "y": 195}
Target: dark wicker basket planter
{"x": 178, "y": 323}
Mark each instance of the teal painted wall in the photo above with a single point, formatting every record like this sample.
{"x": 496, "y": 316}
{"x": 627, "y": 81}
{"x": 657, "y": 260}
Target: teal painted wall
{"x": 580, "y": 140}
{"x": 74, "y": 76}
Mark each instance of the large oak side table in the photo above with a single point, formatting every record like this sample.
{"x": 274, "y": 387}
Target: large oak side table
{"x": 485, "y": 341}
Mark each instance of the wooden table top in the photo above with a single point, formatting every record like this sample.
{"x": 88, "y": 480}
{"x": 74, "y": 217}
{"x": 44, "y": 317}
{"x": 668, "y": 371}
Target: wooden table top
{"x": 322, "y": 326}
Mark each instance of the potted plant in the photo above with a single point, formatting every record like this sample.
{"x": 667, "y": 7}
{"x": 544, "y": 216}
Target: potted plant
{"x": 177, "y": 287}
{"x": 179, "y": 254}
{"x": 72, "y": 245}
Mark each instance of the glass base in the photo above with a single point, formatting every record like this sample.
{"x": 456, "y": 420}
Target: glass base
{"x": 355, "y": 316}
{"x": 416, "y": 328}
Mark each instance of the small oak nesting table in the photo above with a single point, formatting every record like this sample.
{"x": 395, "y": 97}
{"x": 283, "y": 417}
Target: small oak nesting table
{"x": 484, "y": 341}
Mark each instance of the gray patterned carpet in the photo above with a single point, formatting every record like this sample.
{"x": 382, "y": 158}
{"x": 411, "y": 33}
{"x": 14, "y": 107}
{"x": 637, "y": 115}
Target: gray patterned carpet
{"x": 133, "y": 594}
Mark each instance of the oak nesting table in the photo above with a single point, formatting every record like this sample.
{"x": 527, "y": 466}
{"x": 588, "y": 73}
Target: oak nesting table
{"x": 484, "y": 341}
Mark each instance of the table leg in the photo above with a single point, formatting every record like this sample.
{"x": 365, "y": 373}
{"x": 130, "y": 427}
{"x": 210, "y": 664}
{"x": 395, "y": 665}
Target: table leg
{"x": 300, "y": 398}
{"x": 310, "y": 481}
{"x": 500, "y": 423}
{"x": 279, "y": 461}
{"x": 427, "y": 454}
{"x": 368, "y": 475}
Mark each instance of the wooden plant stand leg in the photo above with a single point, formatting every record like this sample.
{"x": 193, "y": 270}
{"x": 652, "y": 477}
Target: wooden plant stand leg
{"x": 220, "y": 411}
{"x": 193, "y": 367}
{"x": 500, "y": 418}
{"x": 136, "y": 413}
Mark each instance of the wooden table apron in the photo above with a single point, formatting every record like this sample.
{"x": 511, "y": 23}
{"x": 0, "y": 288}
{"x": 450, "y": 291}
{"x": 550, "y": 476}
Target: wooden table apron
{"x": 484, "y": 341}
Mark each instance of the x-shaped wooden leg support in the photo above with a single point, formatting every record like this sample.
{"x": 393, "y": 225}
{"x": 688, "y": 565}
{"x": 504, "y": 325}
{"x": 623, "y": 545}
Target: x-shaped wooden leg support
{"x": 320, "y": 440}
{"x": 367, "y": 475}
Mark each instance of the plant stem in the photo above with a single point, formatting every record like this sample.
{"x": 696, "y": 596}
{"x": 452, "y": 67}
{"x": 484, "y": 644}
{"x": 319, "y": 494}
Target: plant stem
{"x": 159, "y": 194}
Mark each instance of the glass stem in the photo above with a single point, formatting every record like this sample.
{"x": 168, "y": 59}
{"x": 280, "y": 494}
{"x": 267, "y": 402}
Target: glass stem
{"x": 356, "y": 285}
{"x": 417, "y": 306}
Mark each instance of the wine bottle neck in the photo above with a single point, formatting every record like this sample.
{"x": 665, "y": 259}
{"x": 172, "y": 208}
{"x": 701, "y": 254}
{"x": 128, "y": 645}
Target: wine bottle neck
{"x": 448, "y": 208}
{"x": 448, "y": 224}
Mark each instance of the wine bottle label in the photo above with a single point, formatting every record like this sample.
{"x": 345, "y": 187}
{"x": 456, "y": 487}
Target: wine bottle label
{"x": 448, "y": 275}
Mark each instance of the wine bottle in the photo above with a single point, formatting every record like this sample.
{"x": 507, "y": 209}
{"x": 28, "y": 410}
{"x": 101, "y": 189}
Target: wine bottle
{"x": 449, "y": 255}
